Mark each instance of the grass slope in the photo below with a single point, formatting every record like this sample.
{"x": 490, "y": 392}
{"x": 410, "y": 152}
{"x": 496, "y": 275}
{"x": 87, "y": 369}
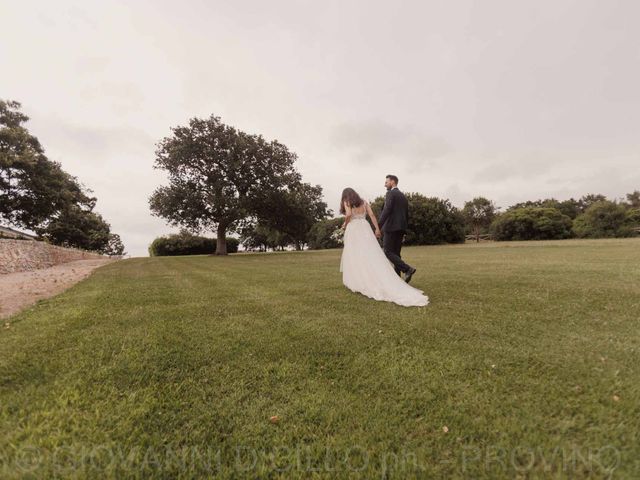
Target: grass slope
{"x": 526, "y": 364}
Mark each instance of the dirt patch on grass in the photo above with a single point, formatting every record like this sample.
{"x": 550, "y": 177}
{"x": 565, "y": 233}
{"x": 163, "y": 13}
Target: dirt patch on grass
{"x": 21, "y": 289}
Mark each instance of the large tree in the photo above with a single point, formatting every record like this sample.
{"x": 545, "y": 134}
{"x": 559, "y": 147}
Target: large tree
{"x": 33, "y": 188}
{"x": 479, "y": 213}
{"x": 38, "y": 195}
{"x": 220, "y": 177}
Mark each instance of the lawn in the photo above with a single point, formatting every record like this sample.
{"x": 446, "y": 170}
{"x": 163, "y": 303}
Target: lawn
{"x": 525, "y": 364}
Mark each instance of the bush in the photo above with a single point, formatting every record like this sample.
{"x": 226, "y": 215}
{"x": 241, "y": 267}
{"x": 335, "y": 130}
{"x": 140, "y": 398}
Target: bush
{"x": 432, "y": 220}
{"x": 632, "y": 217}
{"x": 606, "y": 219}
{"x": 184, "y": 243}
{"x": 531, "y": 223}
{"x": 319, "y": 236}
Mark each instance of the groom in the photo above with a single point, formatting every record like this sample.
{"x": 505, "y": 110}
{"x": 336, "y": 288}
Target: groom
{"x": 393, "y": 222}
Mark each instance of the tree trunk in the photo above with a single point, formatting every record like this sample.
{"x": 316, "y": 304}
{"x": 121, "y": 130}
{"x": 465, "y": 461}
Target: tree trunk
{"x": 477, "y": 229}
{"x": 221, "y": 241}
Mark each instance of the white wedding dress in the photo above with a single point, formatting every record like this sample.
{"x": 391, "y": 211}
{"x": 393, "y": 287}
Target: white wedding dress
{"x": 366, "y": 269}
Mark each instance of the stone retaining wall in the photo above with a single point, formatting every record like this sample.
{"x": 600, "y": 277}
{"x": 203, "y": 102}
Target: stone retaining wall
{"x": 25, "y": 255}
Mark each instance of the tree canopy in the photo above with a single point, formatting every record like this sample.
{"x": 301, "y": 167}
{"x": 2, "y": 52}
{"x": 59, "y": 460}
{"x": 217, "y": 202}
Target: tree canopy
{"x": 37, "y": 194}
{"x": 432, "y": 220}
{"x": 605, "y": 219}
{"x": 478, "y": 214}
{"x": 531, "y": 223}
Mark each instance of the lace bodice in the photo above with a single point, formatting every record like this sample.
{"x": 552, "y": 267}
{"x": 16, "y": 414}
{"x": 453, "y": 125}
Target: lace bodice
{"x": 356, "y": 214}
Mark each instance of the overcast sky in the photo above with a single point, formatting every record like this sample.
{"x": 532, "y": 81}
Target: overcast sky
{"x": 510, "y": 99}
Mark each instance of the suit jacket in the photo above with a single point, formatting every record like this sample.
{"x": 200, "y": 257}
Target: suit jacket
{"x": 395, "y": 212}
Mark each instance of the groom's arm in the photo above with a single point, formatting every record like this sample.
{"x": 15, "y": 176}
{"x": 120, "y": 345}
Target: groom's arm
{"x": 386, "y": 210}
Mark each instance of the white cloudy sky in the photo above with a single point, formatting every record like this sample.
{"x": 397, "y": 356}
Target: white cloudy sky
{"x": 510, "y": 99}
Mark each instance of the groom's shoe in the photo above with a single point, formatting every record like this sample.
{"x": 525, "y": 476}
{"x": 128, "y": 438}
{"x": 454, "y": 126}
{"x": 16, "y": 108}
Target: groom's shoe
{"x": 409, "y": 274}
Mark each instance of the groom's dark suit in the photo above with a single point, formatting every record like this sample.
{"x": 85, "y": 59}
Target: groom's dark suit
{"x": 394, "y": 223}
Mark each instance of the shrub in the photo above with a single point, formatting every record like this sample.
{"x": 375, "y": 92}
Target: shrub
{"x": 184, "y": 243}
{"x": 531, "y": 223}
{"x": 632, "y": 217}
{"x": 605, "y": 219}
{"x": 431, "y": 220}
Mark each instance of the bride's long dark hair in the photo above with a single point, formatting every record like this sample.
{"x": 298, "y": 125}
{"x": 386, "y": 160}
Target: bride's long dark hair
{"x": 352, "y": 198}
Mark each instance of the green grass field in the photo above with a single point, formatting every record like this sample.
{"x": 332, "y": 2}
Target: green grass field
{"x": 526, "y": 364}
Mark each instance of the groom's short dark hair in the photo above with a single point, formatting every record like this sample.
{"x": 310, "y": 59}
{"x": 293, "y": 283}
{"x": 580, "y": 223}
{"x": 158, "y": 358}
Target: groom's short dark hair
{"x": 393, "y": 177}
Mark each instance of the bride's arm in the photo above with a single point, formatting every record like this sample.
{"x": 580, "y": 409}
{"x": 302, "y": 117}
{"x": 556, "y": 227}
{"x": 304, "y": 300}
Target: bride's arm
{"x": 372, "y": 216}
{"x": 347, "y": 215}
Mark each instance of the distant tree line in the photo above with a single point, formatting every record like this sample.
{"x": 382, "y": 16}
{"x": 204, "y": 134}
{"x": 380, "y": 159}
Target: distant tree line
{"x": 436, "y": 221}
{"x": 592, "y": 216}
{"x": 230, "y": 182}
{"x": 432, "y": 221}
{"x": 38, "y": 195}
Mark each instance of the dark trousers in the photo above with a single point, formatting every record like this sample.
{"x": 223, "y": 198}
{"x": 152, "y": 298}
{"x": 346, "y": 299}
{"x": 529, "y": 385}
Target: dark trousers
{"x": 391, "y": 244}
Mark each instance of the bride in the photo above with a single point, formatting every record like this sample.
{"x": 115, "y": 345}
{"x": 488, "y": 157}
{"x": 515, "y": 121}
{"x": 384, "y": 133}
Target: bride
{"x": 364, "y": 266}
